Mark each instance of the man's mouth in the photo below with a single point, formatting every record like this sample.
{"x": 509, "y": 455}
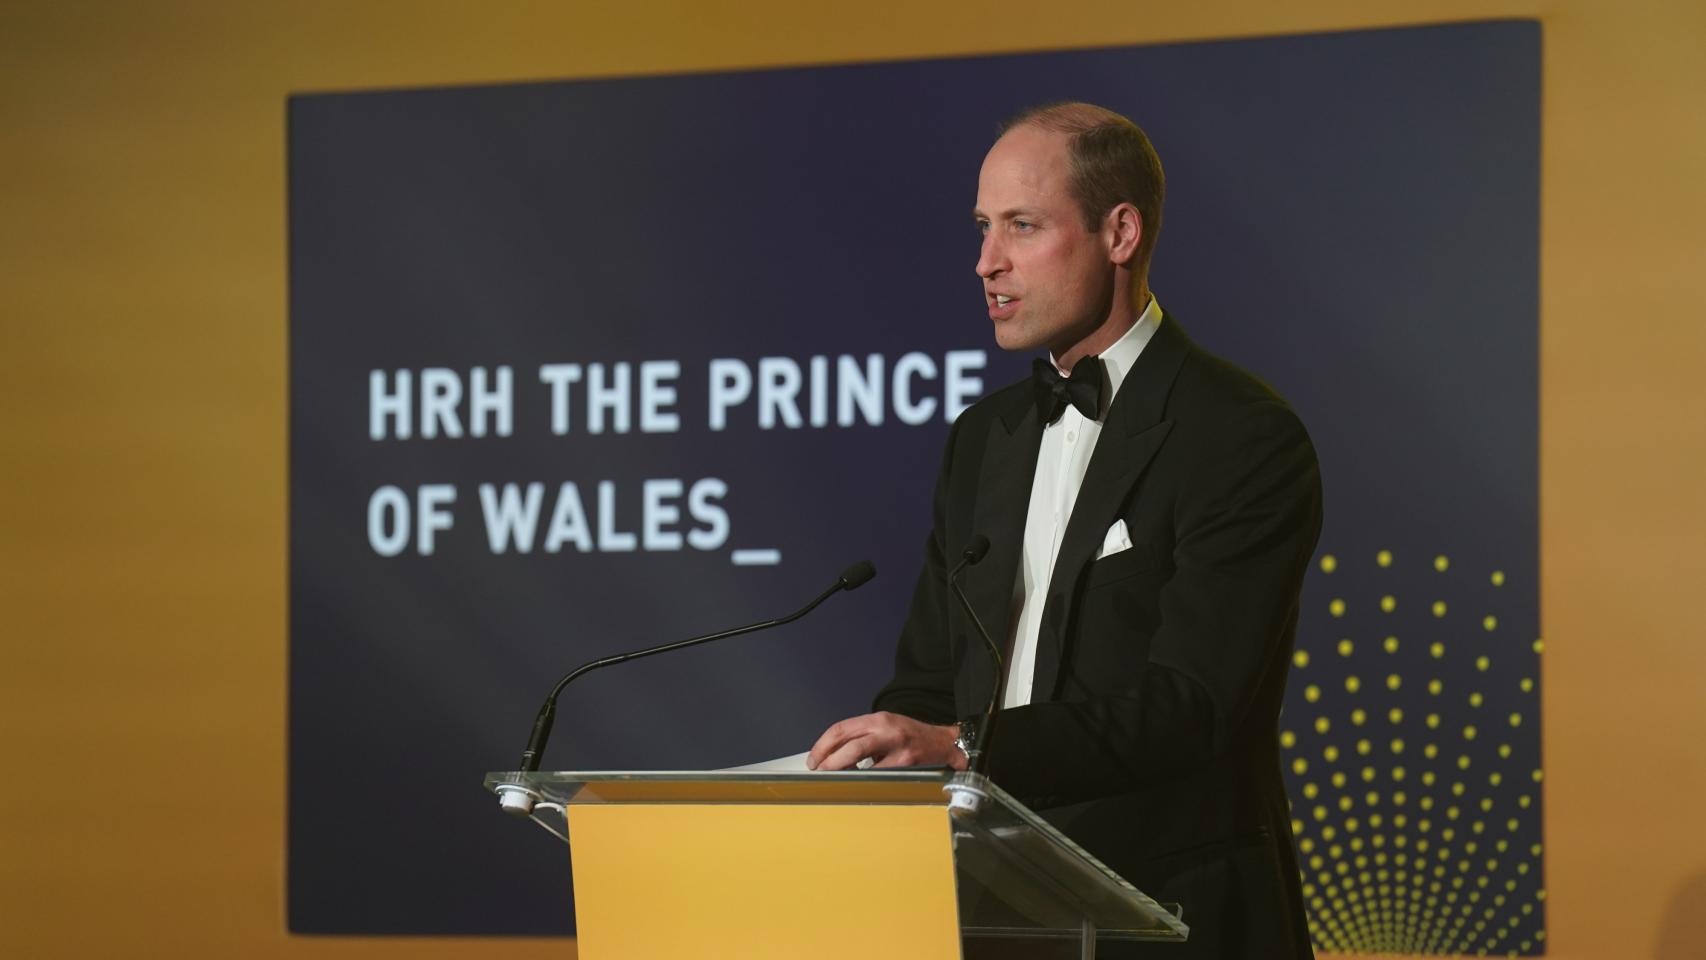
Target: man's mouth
{"x": 1002, "y": 301}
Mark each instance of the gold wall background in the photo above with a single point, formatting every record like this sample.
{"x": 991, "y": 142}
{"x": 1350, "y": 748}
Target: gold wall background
{"x": 142, "y": 402}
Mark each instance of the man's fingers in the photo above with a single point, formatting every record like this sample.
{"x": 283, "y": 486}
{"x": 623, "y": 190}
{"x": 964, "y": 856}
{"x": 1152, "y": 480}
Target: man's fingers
{"x": 899, "y": 758}
{"x": 887, "y": 738}
{"x": 837, "y": 734}
{"x": 848, "y": 754}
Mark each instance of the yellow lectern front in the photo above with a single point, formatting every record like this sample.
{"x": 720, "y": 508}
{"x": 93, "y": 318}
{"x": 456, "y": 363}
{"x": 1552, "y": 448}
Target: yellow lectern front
{"x": 886, "y": 864}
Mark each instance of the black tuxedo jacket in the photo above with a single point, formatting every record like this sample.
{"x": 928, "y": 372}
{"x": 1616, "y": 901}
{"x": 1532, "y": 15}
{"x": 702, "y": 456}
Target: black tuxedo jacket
{"x": 1152, "y": 736}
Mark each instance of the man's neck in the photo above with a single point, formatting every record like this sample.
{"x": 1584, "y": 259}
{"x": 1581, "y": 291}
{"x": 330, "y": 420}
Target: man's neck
{"x": 1119, "y": 320}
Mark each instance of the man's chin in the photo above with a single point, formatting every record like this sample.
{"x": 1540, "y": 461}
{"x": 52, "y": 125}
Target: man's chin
{"x": 1014, "y": 340}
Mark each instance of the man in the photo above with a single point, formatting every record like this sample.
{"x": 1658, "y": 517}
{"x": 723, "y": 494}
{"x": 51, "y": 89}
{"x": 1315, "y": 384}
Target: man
{"x": 1150, "y": 517}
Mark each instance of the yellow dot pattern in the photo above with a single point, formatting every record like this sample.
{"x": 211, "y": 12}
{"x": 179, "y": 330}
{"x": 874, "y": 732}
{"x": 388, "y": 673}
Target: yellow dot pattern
{"x": 1414, "y": 763}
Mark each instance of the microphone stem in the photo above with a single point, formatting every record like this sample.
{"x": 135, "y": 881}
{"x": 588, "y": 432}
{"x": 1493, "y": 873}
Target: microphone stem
{"x": 530, "y": 758}
{"x": 980, "y": 763}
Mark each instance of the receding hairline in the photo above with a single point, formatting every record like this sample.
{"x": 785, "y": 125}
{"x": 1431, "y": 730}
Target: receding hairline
{"x": 1068, "y": 117}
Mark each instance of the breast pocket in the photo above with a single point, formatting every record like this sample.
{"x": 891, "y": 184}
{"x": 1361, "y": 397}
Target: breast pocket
{"x": 1139, "y": 558}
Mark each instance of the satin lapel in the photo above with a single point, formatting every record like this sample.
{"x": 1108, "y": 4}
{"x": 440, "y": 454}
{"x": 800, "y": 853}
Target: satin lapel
{"x": 1130, "y": 438}
{"x": 1003, "y": 497}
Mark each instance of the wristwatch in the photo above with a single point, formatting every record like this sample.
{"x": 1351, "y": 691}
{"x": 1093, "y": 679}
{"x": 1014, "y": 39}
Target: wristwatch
{"x": 968, "y": 736}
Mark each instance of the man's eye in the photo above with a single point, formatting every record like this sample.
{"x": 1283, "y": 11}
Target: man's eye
{"x": 983, "y": 228}
{"x": 1024, "y": 226}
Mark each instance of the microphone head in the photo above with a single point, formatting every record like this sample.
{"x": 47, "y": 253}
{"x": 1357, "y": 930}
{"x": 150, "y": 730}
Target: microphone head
{"x": 976, "y": 548}
{"x": 857, "y": 575}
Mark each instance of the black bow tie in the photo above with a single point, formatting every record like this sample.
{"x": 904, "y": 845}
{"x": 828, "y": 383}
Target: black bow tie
{"x": 1082, "y": 390}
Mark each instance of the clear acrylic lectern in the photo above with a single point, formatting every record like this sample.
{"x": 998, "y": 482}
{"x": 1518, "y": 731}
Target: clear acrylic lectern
{"x": 876, "y": 863}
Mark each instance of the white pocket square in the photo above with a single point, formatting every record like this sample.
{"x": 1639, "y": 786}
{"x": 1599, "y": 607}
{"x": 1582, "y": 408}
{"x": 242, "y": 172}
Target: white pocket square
{"x": 1116, "y": 540}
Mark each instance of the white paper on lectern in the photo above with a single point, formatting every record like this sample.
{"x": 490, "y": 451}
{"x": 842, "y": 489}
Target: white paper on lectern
{"x": 796, "y": 763}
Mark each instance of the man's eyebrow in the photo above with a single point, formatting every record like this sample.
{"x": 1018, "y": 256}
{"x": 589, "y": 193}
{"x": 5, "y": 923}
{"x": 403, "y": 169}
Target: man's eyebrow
{"x": 1027, "y": 212}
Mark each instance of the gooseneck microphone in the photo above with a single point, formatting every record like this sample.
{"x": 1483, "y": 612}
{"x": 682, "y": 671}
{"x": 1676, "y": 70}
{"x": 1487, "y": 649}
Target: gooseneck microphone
{"x": 974, "y": 552}
{"x": 978, "y": 755}
{"x": 852, "y": 578}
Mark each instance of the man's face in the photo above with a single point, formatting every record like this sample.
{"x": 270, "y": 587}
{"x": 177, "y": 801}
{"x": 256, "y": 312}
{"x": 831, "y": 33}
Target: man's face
{"x": 1047, "y": 280}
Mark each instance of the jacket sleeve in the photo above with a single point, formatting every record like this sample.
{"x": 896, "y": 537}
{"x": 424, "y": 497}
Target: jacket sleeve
{"x": 1246, "y": 520}
{"x": 923, "y": 683}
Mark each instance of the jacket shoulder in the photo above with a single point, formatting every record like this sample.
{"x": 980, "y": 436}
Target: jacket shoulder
{"x": 1211, "y": 385}
{"x": 1008, "y": 405}
{"x": 1007, "y": 401}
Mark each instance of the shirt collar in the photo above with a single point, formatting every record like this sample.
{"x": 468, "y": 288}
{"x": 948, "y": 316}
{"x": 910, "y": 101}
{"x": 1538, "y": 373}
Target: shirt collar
{"x": 1118, "y": 359}
{"x": 1122, "y": 355}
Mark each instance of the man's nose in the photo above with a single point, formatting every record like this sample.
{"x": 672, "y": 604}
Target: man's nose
{"x": 991, "y": 258}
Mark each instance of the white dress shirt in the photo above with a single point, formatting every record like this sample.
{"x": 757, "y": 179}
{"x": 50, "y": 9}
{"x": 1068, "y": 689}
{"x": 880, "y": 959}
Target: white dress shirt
{"x": 1061, "y": 463}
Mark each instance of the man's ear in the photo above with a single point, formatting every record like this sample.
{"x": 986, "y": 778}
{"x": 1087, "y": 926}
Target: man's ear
{"x": 1123, "y": 229}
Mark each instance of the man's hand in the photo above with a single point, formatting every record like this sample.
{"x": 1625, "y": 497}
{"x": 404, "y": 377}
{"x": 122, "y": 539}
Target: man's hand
{"x": 890, "y": 740}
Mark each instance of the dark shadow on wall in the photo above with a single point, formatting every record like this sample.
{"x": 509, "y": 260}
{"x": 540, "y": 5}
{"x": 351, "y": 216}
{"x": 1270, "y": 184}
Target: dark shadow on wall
{"x": 1682, "y": 932}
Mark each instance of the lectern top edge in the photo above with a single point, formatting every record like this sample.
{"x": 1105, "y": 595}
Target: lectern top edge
{"x": 915, "y": 786}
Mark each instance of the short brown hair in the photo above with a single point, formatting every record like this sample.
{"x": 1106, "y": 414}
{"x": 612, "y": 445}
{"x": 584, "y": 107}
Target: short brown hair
{"x": 1112, "y": 161}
